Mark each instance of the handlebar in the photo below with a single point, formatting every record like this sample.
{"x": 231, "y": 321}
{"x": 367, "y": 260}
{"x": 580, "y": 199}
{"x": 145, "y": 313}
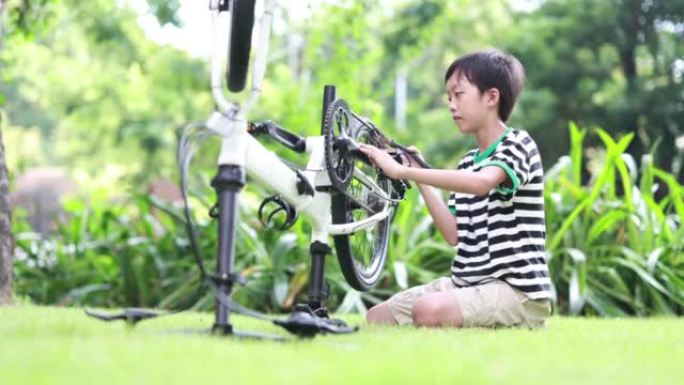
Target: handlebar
{"x": 298, "y": 143}
{"x": 285, "y": 137}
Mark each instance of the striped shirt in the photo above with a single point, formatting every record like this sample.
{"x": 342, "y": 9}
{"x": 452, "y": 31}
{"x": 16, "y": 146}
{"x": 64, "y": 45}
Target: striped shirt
{"x": 501, "y": 235}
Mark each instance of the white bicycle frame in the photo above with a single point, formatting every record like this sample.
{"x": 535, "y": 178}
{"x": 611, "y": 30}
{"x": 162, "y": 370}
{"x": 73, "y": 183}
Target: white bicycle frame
{"x": 239, "y": 148}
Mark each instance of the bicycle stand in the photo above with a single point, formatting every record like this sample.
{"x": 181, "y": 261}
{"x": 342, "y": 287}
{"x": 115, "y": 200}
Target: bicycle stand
{"x": 307, "y": 319}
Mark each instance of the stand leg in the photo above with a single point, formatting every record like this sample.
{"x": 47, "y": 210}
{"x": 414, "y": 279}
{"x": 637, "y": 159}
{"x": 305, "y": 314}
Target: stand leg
{"x": 317, "y": 290}
{"x": 309, "y": 319}
{"x": 228, "y": 183}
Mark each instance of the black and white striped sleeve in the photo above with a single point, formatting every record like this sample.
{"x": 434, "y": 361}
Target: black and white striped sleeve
{"x": 513, "y": 156}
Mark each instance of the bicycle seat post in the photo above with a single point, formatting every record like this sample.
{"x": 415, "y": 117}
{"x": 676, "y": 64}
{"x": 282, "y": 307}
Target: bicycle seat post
{"x": 227, "y": 183}
{"x": 230, "y": 179}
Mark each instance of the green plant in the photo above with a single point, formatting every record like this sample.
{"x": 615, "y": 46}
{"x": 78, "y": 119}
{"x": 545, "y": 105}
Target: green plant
{"x": 614, "y": 248}
{"x": 614, "y": 253}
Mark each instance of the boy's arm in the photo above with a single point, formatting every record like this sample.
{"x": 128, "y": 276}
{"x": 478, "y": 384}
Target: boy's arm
{"x": 444, "y": 220}
{"x": 469, "y": 182}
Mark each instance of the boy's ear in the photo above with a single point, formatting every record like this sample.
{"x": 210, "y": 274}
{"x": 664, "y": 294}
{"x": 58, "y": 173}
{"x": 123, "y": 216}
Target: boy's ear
{"x": 492, "y": 97}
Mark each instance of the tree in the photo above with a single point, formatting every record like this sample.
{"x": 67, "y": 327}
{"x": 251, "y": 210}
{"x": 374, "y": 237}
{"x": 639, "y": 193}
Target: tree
{"x": 104, "y": 27}
{"x": 6, "y": 241}
{"x": 615, "y": 64}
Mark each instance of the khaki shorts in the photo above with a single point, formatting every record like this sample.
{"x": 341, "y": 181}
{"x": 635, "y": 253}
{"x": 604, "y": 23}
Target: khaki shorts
{"x": 492, "y": 304}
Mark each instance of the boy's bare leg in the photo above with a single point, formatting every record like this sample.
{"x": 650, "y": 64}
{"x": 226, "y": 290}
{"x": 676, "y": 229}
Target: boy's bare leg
{"x": 437, "y": 309}
{"x": 380, "y": 314}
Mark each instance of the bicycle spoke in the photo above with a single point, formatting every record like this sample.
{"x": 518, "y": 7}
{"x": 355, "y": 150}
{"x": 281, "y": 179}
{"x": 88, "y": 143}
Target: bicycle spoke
{"x": 364, "y": 188}
{"x": 365, "y": 198}
{"x": 358, "y": 203}
{"x": 368, "y": 182}
{"x": 362, "y": 198}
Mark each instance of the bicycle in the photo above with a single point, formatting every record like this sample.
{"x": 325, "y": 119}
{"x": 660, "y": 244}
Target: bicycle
{"x": 340, "y": 191}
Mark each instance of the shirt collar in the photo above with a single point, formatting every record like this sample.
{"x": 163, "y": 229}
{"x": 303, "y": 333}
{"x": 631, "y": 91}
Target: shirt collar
{"x": 479, "y": 157}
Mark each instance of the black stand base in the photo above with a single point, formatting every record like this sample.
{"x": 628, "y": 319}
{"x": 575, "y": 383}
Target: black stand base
{"x": 228, "y": 331}
{"x": 305, "y": 323}
{"x": 222, "y": 330}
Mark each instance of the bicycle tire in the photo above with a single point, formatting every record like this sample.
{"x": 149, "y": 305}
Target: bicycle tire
{"x": 240, "y": 43}
{"x": 362, "y": 254}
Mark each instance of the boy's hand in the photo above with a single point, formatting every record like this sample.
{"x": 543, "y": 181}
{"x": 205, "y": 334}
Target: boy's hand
{"x": 383, "y": 160}
{"x": 414, "y": 153}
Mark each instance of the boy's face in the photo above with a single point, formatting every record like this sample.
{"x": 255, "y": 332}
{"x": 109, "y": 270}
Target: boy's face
{"x": 468, "y": 106}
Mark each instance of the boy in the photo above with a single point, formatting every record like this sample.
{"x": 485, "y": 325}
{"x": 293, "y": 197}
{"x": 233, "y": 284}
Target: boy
{"x": 495, "y": 214}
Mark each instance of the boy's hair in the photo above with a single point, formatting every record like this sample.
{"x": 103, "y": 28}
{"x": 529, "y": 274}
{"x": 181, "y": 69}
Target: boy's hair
{"x": 492, "y": 69}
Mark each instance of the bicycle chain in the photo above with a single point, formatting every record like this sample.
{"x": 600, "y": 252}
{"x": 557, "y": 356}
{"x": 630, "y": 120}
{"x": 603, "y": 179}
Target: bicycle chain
{"x": 340, "y": 186}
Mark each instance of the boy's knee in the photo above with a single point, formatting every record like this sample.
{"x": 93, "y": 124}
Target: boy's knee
{"x": 425, "y": 313}
{"x": 435, "y": 312}
{"x": 372, "y": 314}
{"x": 380, "y": 313}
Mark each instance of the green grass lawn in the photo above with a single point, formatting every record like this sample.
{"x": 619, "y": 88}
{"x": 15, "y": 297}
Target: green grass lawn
{"x": 40, "y": 345}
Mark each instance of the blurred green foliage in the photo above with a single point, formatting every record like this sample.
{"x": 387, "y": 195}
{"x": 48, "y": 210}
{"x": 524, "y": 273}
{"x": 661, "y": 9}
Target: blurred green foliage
{"x": 609, "y": 253}
{"x": 83, "y": 87}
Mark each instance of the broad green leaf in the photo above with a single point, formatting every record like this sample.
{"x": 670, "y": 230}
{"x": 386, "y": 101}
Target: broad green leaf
{"x": 558, "y": 236}
{"x": 603, "y": 305}
{"x": 675, "y": 191}
{"x": 643, "y": 274}
{"x": 576, "y": 146}
{"x": 575, "y": 293}
{"x": 400, "y": 274}
{"x": 653, "y": 257}
{"x": 658, "y": 303}
{"x": 605, "y": 223}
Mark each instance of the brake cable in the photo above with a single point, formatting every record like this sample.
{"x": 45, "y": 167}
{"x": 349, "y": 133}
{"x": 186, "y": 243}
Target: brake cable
{"x": 380, "y": 137}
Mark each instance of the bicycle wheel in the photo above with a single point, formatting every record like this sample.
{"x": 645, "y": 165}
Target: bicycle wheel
{"x": 361, "y": 254}
{"x": 240, "y": 43}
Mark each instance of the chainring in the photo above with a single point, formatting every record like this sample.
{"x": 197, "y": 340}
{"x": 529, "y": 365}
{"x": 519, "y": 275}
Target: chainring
{"x": 339, "y": 162}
